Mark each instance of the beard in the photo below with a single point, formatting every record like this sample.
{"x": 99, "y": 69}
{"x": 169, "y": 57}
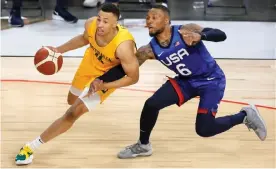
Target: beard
{"x": 153, "y": 34}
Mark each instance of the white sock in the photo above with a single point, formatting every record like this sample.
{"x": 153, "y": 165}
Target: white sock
{"x": 36, "y": 143}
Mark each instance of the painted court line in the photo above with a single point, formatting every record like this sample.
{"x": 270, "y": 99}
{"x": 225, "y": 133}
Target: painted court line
{"x": 129, "y": 89}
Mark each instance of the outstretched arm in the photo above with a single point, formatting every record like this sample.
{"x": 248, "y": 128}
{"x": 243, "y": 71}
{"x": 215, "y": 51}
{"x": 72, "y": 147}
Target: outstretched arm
{"x": 193, "y": 33}
{"x": 144, "y": 53}
{"x": 76, "y": 42}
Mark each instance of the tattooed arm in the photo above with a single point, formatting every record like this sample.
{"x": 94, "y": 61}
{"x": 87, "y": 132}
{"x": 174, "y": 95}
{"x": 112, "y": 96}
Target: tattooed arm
{"x": 193, "y": 33}
{"x": 144, "y": 53}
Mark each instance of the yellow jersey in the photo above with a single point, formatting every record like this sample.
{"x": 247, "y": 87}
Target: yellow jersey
{"x": 97, "y": 60}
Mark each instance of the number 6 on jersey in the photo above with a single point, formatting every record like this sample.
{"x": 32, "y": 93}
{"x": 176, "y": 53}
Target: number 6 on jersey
{"x": 182, "y": 70}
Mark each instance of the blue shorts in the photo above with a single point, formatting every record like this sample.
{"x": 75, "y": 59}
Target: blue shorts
{"x": 209, "y": 90}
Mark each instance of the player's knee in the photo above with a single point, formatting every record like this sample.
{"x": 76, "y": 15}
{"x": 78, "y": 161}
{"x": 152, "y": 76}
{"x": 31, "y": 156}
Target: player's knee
{"x": 204, "y": 126}
{"x": 202, "y": 131}
{"x": 71, "y": 98}
{"x": 151, "y": 103}
{"x": 70, "y": 101}
{"x": 75, "y": 111}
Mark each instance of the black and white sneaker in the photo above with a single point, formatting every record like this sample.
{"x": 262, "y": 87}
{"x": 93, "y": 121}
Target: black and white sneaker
{"x": 15, "y": 18}
{"x": 62, "y": 14}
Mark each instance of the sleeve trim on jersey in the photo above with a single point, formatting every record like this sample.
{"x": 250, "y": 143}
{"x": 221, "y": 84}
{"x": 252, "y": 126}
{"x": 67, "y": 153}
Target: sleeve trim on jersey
{"x": 91, "y": 29}
{"x": 153, "y": 50}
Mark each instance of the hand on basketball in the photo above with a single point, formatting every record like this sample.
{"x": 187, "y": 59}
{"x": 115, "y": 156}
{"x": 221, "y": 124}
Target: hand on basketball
{"x": 190, "y": 38}
{"x": 52, "y": 48}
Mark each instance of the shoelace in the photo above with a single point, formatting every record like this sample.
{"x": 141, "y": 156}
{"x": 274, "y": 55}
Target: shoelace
{"x": 250, "y": 125}
{"x": 134, "y": 147}
{"x": 25, "y": 151}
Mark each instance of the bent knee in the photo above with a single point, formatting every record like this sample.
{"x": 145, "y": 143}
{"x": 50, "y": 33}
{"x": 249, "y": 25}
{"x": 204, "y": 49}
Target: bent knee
{"x": 152, "y": 103}
{"x": 75, "y": 111}
{"x": 203, "y": 131}
{"x": 205, "y": 124}
{"x": 71, "y": 98}
{"x": 204, "y": 127}
{"x": 71, "y": 101}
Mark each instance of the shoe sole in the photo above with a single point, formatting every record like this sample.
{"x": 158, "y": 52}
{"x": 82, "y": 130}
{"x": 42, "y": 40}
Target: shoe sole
{"x": 9, "y": 21}
{"x": 261, "y": 119}
{"x": 87, "y": 5}
{"x": 59, "y": 18}
{"x": 25, "y": 162}
{"x": 149, "y": 153}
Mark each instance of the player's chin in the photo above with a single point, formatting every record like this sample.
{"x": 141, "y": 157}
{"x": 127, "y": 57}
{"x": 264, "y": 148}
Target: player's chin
{"x": 152, "y": 33}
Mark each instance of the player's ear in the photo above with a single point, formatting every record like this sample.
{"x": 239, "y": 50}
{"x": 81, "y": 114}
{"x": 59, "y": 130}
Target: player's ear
{"x": 167, "y": 21}
{"x": 115, "y": 24}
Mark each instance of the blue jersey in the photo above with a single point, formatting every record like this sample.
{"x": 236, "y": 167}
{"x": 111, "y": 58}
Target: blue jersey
{"x": 186, "y": 61}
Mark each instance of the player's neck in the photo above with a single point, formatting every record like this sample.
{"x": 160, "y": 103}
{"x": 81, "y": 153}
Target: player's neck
{"x": 165, "y": 37}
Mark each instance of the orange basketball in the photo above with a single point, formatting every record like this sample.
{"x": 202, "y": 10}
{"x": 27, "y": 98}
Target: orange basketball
{"x": 47, "y": 61}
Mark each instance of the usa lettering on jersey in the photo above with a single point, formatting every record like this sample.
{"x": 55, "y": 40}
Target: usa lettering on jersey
{"x": 175, "y": 59}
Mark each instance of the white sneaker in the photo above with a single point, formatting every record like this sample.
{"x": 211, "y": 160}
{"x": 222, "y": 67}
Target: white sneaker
{"x": 162, "y": 3}
{"x": 165, "y": 4}
{"x": 135, "y": 150}
{"x": 92, "y": 3}
{"x": 25, "y": 155}
{"x": 253, "y": 120}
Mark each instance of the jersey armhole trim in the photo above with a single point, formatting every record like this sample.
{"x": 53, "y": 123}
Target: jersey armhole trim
{"x": 154, "y": 53}
{"x": 118, "y": 44}
{"x": 90, "y": 28}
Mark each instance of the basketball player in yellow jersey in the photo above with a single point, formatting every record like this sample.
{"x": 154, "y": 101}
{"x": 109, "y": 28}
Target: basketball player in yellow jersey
{"x": 101, "y": 56}
{"x": 109, "y": 45}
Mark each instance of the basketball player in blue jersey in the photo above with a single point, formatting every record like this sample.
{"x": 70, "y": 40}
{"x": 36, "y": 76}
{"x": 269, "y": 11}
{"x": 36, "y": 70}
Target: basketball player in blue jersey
{"x": 180, "y": 48}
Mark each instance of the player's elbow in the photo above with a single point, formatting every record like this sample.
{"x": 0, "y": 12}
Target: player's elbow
{"x": 214, "y": 35}
{"x": 223, "y": 36}
{"x": 135, "y": 78}
{"x": 135, "y": 73}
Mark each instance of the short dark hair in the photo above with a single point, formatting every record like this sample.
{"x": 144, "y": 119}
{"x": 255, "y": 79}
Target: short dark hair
{"x": 163, "y": 8}
{"x": 109, "y": 7}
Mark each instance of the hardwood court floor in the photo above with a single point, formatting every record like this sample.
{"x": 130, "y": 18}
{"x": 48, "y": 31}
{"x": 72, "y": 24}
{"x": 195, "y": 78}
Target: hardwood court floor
{"x": 28, "y": 107}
